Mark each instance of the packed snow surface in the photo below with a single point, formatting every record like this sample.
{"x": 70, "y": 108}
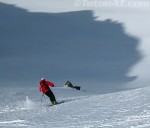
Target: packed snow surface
{"x": 25, "y": 107}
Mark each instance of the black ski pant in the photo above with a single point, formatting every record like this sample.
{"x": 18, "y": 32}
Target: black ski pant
{"x": 50, "y": 95}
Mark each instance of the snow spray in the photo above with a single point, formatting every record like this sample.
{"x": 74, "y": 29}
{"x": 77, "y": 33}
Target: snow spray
{"x": 28, "y": 103}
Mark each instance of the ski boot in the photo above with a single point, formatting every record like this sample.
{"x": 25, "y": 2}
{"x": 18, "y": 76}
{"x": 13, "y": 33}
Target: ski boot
{"x": 54, "y": 102}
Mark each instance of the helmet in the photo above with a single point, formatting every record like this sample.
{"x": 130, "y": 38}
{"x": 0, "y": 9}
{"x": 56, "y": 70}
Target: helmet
{"x": 42, "y": 78}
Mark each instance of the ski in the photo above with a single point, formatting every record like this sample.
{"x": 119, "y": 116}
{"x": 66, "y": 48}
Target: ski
{"x": 59, "y": 102}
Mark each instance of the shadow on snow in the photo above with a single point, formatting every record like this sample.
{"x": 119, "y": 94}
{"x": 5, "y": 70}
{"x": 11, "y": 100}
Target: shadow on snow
{"x": 65, "y": 46}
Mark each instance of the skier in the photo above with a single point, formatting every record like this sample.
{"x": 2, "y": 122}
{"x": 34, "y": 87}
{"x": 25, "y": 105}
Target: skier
{"x": 44, "y": 87}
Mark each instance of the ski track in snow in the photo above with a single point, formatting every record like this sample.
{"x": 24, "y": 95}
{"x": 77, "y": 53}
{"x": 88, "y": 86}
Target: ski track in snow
{"x": 14, "y": 123}
{"x": 128, "y": 109}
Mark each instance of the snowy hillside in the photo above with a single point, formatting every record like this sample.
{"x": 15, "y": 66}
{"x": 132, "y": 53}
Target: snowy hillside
{"x": 105, "y": 50}
{"x": 30, "y": 23}
{"x": 65, "y": 46}
{"x": 23, "y": 108}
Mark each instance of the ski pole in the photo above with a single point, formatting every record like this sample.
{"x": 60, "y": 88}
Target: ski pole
{"x": 42, "y": 97}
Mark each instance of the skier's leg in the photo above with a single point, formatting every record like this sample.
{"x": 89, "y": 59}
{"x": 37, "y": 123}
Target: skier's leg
{"x": 51, "y": 97}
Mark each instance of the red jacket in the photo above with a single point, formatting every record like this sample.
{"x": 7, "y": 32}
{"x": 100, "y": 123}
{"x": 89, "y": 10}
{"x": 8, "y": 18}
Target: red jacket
{"x": 44, "y": 86}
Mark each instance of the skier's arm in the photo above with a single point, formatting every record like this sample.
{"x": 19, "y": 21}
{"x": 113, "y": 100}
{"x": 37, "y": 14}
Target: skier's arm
{"x": 40, "y": 89}
{"x": 50, "y": 83}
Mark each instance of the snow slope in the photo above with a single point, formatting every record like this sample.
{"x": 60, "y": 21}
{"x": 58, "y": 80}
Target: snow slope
{"x": 134, "y": 14}
{"x": 23, "y": 108}
{"x": 73, "y": 46}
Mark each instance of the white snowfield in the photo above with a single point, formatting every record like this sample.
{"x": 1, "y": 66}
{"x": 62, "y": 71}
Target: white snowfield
{"x": 22, "y": 107}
